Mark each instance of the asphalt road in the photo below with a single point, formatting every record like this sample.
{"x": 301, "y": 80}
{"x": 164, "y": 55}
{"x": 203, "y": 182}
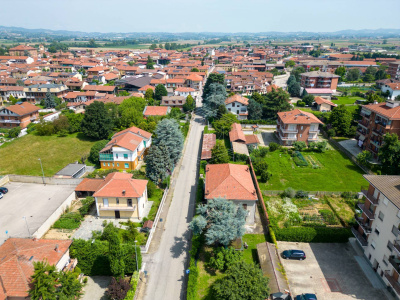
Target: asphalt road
{"x": 166, "y": 267}
{"x": 281, "y": 81}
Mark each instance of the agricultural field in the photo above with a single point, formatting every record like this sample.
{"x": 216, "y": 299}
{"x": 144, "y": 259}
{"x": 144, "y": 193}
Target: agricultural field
{"x": 313, "y": 171}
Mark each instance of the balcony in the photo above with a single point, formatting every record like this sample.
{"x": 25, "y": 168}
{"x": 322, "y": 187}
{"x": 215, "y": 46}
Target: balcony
{"x": 117, "y": 207}
{"x": 363, "y": 242}
{"x": 365, "y": 115}
{"x": 10, "y": 121}
{"x": 395, "y": 262}
{"x": 377, "y": 143}
{"x": 370, "y": 197}
{"x": 378, "y": 131}
{"x": 370, "y": 215}
{"x": 396, "y": 247}
{"x": 367, "y": 229}
{"x": 287, "y": 138}
{"x": 362, "y": 131}
{"x": 363, "y": 124}
{"x": 312, "y": 138}
{"x": 284, "y": 130}
{"x": 106, "y": 157}
{"x": 393, "y": 282}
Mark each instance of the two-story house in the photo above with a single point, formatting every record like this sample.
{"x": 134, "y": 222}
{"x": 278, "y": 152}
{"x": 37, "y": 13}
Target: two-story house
{"x": 35, "y": 93}
{"x": 377, "y": 120}
{"x": 297, "y": 125}
{"x": 377, "y": 231}
{"x": 237, "y": 105}
{"x": 125, "y": 149}
{"x": 319, "y": 80}
{"x": 18, "y": 115}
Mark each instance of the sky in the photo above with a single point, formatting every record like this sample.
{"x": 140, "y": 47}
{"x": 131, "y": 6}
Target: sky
{"x": 200, "y": 16}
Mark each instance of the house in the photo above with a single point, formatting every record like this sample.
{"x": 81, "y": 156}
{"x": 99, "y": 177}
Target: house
{"x": 17, "y": 258}
{"x": 237, "y": 135}
{"x": 319, "y": 80}
{"x": 185, "y": 91}
{"x": 18, "y": 115}
{"x": 143, "y": 89}
{"x": 297, "y": 125}
{"x": 173, "y": 101}
{"x": 209, "y": 141}
{"x": 110, "y": 89}
{"x": 237, "y": 105}
{"x": 394, "y": 70}
{"x": 377, "y": 120}
{"x": 156, "y": 111}
{"x": 232, "y": 182}
{"x": 23, "y": 50}
{"x": 125, "y": 149}
{"x": 16, "y": 91}
{"x": 324, "y": 93}
{"x": 324, "y": 104}
{"x": 377, "y": 231}
{"x": 35, "y": 93}
{"x": 118, "y": 195}
{"x": 392, "y": 88}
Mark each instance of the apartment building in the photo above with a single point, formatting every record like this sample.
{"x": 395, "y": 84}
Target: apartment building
{"x": 378, "y": 231}
{"x": 23, "y": 50}
{"x": 18, "y": 115}
{"x": 297, "y": 125}
{"x": 35, "y": 93}
{"x": 125, "y": 149}
{"x": 319, "y": 80}
{"x": 377, "y": 120}
{"x": 237, "y": 105}
{"x": 394, "y": 70}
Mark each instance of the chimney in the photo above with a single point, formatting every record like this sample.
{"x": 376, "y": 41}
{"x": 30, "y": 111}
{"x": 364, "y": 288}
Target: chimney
{"x": 123, "y": 192}
{"x": 34, "y": 239}
{"x": 56, "y": 249}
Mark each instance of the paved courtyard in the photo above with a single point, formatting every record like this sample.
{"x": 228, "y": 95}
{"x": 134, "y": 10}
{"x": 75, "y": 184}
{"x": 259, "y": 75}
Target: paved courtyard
{"x": 330, "y": 271}
{"x": 351, "y": 146}
{"x": 267, "y": 137}
{"x": 96, "y": 288}
{"x": 36, "y": 202}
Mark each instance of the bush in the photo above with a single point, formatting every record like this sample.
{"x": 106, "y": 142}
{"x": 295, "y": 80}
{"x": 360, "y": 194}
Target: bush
{"x": 14, "y": 132}
{"x": 273, "y": 146}
{"x": 71, "y": 220}
{"x": 222, "y": 258}
{"x": 95, "y": 151}
{"x": 300, "y": 103}
{"x": 321, "y": 146}
{"x": 289, "y": 192}
{"x": 265, "y": 175}
{"x": 331, "y": 133}
{"x": 301, "y": 194}
{"x": 134, "y": 282}
{"x": 313, "y": 234}
{"x": 260, "y": 165}
{"x": 192, "y": 285}
{"x": 86, "y": 205}
{"x": 329, "y": 217}
{"x": 151, "y": 188}
{"x": 299, "y": 145}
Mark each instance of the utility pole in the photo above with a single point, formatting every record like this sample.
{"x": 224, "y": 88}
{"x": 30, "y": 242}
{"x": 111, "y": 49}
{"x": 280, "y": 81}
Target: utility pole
{"x": 41, "y": 166}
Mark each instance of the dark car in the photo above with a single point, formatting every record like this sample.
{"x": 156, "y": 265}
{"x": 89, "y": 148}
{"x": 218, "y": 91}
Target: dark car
{"x": 281, "y": 296}
{"x": 3, "y": 190}
{"x": 294, "y": 254}
{"x": 306, "y": 297}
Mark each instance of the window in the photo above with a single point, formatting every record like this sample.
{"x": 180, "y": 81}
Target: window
{"x": 104, "y": 164}
{"x": 398, "y": 214}
{"x": 389, "y": 246}
{"x": 113, "y": 164}
{"x": 125, "y": 156}
{"x": 373, "y": 244}
{"x": 105, "y": 202}
{"x": 385, "y": 260}
{"x": 129, "y": 202}
{"x": 126, "y": 166}
{"x": 377, "y": 231}
{"x": 117, "y": 164}
{"x": 376, "y": 192}
{"x": 108, "y": 164}
{"x": 381, "y": 216}
{"x": 301, "y": 128}
{"x": 301, "y": 134}
{"x": 116, "y": 155}
{"x": 245, "y": 206}
{"x": 395, "y": 231}
{"x": 385, "y": 201}
{"x": 117, "y": 200}
{"x": 233, "y": 104}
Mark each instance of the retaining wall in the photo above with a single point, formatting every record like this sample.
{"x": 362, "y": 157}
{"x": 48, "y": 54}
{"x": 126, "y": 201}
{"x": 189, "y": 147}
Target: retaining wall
{"x": 47, "y": 180}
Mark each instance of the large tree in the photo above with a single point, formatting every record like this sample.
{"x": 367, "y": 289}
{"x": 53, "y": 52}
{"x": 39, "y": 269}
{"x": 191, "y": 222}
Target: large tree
{"x": 49, "y": 101}
{"x": 130, "y": 112}
{"x": 215, "y": 98}
{"x": 341, "y": 119}
{"x": 353, "y": 74}
{"x": 291, "y": 80}
{"x": 69, "y": 286}
{"x": 170, "y": 134}
{"x": 223, "y": 125}
{"x": 222, "y": 220}
{"x": 242, "y": 281}
{"x": 158, "y": 163}
{"x": 341, "y": 71}
{"x": 213, "y": 78}
{"x": 43, "y": 281}
{"x": 95, "y": 151}
{"x": 219, "y": 153}
{"x": 294, "y": 89}
{"x": 96, "y": 123}
{"x": 160, "y": 91}
{"x": 297, "y": 71}
{"x": 190, "y": 104}
{"x": 275, "y": 101}
{"x": 117, "y": 264}
{"x": 255, "y": 110}
{"x": 149, "y": 63}
{"x": 389, "y": 154}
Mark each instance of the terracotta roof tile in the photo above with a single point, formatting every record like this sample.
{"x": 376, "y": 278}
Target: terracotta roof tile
{"x": 237, "y": 98}
{"x": 116, "y": 183}
{"x": 298, "y": 116}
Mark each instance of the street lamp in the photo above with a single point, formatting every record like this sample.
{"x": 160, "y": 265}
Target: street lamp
{"x": 27, "y": 226}
{"x": 137, "y": 263}
{"x": 41, "y": 166}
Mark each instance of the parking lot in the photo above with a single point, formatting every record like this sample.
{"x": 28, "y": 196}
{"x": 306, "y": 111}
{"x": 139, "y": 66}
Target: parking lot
{"x": 36, "y": 202}
{"x": 330, "y": 271}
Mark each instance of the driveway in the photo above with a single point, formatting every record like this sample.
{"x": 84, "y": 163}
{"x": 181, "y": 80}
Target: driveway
{"x": 267, "y": 137}
{"x": 330, "y": 271}
{"x": 351, "y": 146}
{"x": 96, "y": 287}
{"x": 166, "y": 267}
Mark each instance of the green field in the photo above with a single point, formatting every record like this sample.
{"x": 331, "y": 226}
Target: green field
{"x": 21, "y": 155}
{"x": 346, "y": 100}
{"x": 336, "y": 172}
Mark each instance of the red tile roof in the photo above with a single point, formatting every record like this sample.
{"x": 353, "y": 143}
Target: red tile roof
{"x": 23, "y": 109}
{"x": 298, "y": 116}
{"x": 320, "y": 100}
{"x": 384, "y": 110}
{"x": 229, "y": 181}
{"x": 146, "y": 87}
{"x": 252, "y": 139}
{"x": 236, "y": 134}
{"x": 184, "y": 89}
{"x": 89, "y": 185}
{"x": 209, "y": 140}
{"x": 155, "y": 111}
{"x": 237, "y": 98}
{"x": 100, "y": 88}
{"x": 121, "y": 185}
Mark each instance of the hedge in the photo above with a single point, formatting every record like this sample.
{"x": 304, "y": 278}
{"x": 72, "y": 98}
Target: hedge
{"x": 191, "y": 292}
{"x": 313, "y": 234}
{"x": 134, "y": 282}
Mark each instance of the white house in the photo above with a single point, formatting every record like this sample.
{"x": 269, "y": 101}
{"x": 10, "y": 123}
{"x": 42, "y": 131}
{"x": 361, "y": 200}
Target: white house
{"x": 237, "y": 105}
{"x": 185, "y": 91}
{"x": 392, "y": 88}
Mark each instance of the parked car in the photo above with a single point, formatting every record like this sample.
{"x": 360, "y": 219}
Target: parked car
{"x": 281, "y": 296}
{"x": 306, "y": 297}
{"x": 3, "y": 190}
{"x": 1, "y": 195}
{"x": 294, "y": 254}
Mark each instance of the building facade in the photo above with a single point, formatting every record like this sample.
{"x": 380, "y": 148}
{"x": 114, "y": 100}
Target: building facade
{"x": 237, "y": 105}
{"x": 37, "y": 92}
{"x": 394, "y": 70}
{"x": 18, "y": 115}
{"x": 319, "y": 80}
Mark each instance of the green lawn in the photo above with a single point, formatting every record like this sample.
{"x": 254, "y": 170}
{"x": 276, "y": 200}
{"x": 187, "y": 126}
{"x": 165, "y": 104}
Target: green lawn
{"x": 250, "y": 254}
{"x": 346, "y": 100}
{"x": 337, "y": 173}
{"x": 21, "y": 155}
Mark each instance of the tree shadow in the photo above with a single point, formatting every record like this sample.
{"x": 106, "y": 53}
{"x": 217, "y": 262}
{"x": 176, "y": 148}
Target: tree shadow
{"x": 80, "y": 136}
{"x": 180, "y": 245}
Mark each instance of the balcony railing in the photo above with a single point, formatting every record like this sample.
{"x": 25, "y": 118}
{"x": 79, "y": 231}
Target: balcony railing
{"x": 363, "y": 123}
{"x": 312, "y": 138}
{"x": 363, "y": 242}
{"x": 106, "y": 156}
{"x": 117, "y": 207}
{"x": 289, "y": 130}
{"x": 396, "y": 246}
{"x": 378, "y": 130}
{"x": 365, "y": 115}
{"x": 10, "y": 121}
{"x": 395, "y": 262}
{"x": 367, "y": 229}
{"x": 288, "y": 138}
{"x": 313, "y": 130}
{"x": 370, "y": 215}
{"x": 393, "y": 282}
{"x": 362, "y": 131}
{"x": 370, "y": 197}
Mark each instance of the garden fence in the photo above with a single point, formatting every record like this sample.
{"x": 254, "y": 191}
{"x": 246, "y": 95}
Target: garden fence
{"x": 314, "y": 193}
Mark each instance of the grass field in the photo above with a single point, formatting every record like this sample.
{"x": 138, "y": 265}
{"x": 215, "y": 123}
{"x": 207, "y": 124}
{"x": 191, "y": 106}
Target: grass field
{"x": 336, "y": 173}
{"x": 21, "y": 155}
{"x": 346, "y": 100}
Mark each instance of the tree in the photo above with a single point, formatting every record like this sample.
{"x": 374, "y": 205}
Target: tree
{"x": 49, "y": 101}
{"x": 118, "y": 288}
{"x": 291, "y": 80}
{"x": 95, "y": 151}
{"x": 116, "y": 254}
{"x": 190, "y": 104}
{"x": 69, "y": 285}
{"x": 222, "y": 220}
{"x": 340, "y": 120}
{"x": 130, "y": 112}
{"x": 389, "y": 154}
{"x": 96, "y": 122}
{"x": 213, "y": 78}
{"x": 149, "y": 94}
{"x": 290, "y": 63}
{"x": 341, "y": 71}
{"x": 380, "y": 74}
{"x": 158, "y": 163}
{"x": 194, "y": 70}
{"x": 242, "y": 281}
{"x": 255, "y": 110}
{"x": 43, "y": 281}
{"x": 294, "y": 89}
{"x": 219, "y": 153}
{"x": 149, "y": 63}
{"x": 169, "y": 133}
{"x": 297, "y": 71}
{"x": 74, "y": 121}
{"x": 215, "y": 98}
{"x": 224, "y": 124}
{"x": 299, "y": 145}
{"x": 20, "y": 83}
{"x": 160, "y": 91}
{"x": 353, "y": 74}
{"x": 308, "y": 99}
{"x": 275, "y": 101}
{"x": 14, "y": 132}
{"x": 364, "y": 157}
{"x": 153, "y": 46}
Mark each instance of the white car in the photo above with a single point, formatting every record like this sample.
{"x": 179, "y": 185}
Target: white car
{"x": 1, "y": 195}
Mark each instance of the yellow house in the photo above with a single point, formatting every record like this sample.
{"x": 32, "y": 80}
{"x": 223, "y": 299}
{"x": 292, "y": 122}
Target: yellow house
{"x": 120, "y": 196}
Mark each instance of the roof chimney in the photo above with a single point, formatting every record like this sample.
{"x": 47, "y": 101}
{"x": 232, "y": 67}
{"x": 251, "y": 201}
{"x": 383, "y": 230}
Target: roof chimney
{"x": 123, "y": 192}
{"x": 56, "y": 249}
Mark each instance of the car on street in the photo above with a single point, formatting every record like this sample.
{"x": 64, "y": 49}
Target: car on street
{"x": 306, "y": 297}
{"x": 3, "y": 190}
{"x": 294, "y": 254}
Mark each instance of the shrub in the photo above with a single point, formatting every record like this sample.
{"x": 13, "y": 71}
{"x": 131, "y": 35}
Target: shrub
{"x": 118, "y": 288}
{"x": 260, "y": 165}
{"x": 331, "y": 132}
{"x": 151, "y": 188}
{"x": 313, "y": 234}
{"x": 299, "y": 145}
{"x": 192, "y": 285}
{"x": 273, "y": 146}
{"x": 321, "y": 146}
{"x": 301, "y": 194}
{"x": 86, "y": 205}
{"x": 14, "y": 132}
{"x": 289, "y": 192}
{"x": 71, "y": 220}
{"x": 263, "y": 151}
{"x": 265, "y": 175}
{"x": 300, "y": 103}
{"x": 312, "y": 146}
{"x": 223, "y": 258}
{"x": 134, "y": 282}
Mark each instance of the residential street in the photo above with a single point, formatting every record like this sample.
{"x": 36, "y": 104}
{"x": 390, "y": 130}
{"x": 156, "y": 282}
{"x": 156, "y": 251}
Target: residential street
{"x": 166, "y": 267}
{"x": 281, "y": 80}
